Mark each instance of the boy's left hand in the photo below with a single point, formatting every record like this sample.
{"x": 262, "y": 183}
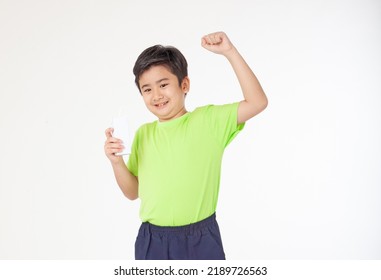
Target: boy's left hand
{"x": 217, "y": 42}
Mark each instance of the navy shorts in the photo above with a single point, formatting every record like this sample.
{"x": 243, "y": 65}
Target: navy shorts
{"x": 198, "y": 241}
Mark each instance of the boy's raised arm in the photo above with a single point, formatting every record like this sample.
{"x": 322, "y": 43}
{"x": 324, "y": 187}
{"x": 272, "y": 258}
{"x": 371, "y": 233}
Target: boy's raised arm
{"x": 255, "y": 100}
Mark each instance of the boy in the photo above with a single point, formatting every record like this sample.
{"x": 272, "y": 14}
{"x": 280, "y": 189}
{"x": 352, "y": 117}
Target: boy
{"x": 175, "y": 162}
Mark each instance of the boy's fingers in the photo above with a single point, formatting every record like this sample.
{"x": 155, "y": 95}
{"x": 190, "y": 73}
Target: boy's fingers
{"x": 115, "y": 147}
{"x": 211, "y": 39}
{"x": 217, "y": 38}
{"x": 112, "y": 148}
{"x": 112, "y": 140}
{"x": 109, "y": 132}
{"x": 214, "y": 38}
{"x": 114, "y": 151}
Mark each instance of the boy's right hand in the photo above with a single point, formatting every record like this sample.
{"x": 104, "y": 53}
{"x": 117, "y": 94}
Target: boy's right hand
{"x": 112, "y": 146}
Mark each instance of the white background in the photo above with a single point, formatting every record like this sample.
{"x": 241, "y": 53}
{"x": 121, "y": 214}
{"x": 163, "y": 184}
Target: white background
{"x": 302, "y": 181}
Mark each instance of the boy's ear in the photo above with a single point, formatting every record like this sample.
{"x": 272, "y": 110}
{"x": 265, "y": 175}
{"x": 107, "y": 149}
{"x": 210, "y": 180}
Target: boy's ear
{"x": 185, "y": 85}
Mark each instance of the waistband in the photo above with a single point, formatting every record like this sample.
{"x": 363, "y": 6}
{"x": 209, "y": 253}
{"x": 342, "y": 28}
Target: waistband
{"x": 179, "y": 229}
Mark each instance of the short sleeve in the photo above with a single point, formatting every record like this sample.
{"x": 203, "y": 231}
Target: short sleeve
{"x": 222, "y": 120}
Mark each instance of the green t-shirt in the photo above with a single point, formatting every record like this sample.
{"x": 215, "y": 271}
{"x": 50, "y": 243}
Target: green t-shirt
{"x": 178, "y": 164}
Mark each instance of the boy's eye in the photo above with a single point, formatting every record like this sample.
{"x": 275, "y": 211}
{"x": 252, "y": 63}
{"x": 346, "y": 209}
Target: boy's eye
{"x": 163, "y": 85}
{"x": 147, "y": 90}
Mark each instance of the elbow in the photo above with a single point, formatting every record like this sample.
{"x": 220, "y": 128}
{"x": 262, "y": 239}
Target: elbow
{"x": 260, "y": 106}
{"x": 265, "y": 103}
{"x": 131, "y": 196}
{"x": 247, "y": 109}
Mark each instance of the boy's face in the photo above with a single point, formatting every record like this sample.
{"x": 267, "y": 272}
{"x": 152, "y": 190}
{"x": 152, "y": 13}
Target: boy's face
{"x": 162, "y": 94}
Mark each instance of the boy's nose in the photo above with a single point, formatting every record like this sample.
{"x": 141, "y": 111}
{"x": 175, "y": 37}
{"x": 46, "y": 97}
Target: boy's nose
{"x": 157, "y": 95}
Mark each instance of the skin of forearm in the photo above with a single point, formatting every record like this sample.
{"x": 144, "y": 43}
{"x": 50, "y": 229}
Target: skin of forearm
{"x": 127, "y": 182}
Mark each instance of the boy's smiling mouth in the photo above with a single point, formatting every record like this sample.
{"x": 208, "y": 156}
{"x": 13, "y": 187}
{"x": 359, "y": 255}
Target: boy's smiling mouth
{"x": 162, "y": 104}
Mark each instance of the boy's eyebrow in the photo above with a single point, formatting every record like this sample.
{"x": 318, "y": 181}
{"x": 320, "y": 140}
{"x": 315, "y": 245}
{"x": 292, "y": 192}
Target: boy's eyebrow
{"x": 157, "y": 82}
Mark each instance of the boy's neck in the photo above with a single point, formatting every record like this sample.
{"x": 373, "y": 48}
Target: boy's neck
{"x": 182, "y": 112}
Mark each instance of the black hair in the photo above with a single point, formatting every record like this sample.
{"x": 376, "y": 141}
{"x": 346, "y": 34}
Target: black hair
{"x": 167, "y": 56}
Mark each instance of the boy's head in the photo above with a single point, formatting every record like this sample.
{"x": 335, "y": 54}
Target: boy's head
{"x": 166, "y": 56}
{"x": 162, "y": 78}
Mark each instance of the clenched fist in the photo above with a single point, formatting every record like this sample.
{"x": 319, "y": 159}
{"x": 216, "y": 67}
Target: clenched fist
{"x": 217, "y": 42}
